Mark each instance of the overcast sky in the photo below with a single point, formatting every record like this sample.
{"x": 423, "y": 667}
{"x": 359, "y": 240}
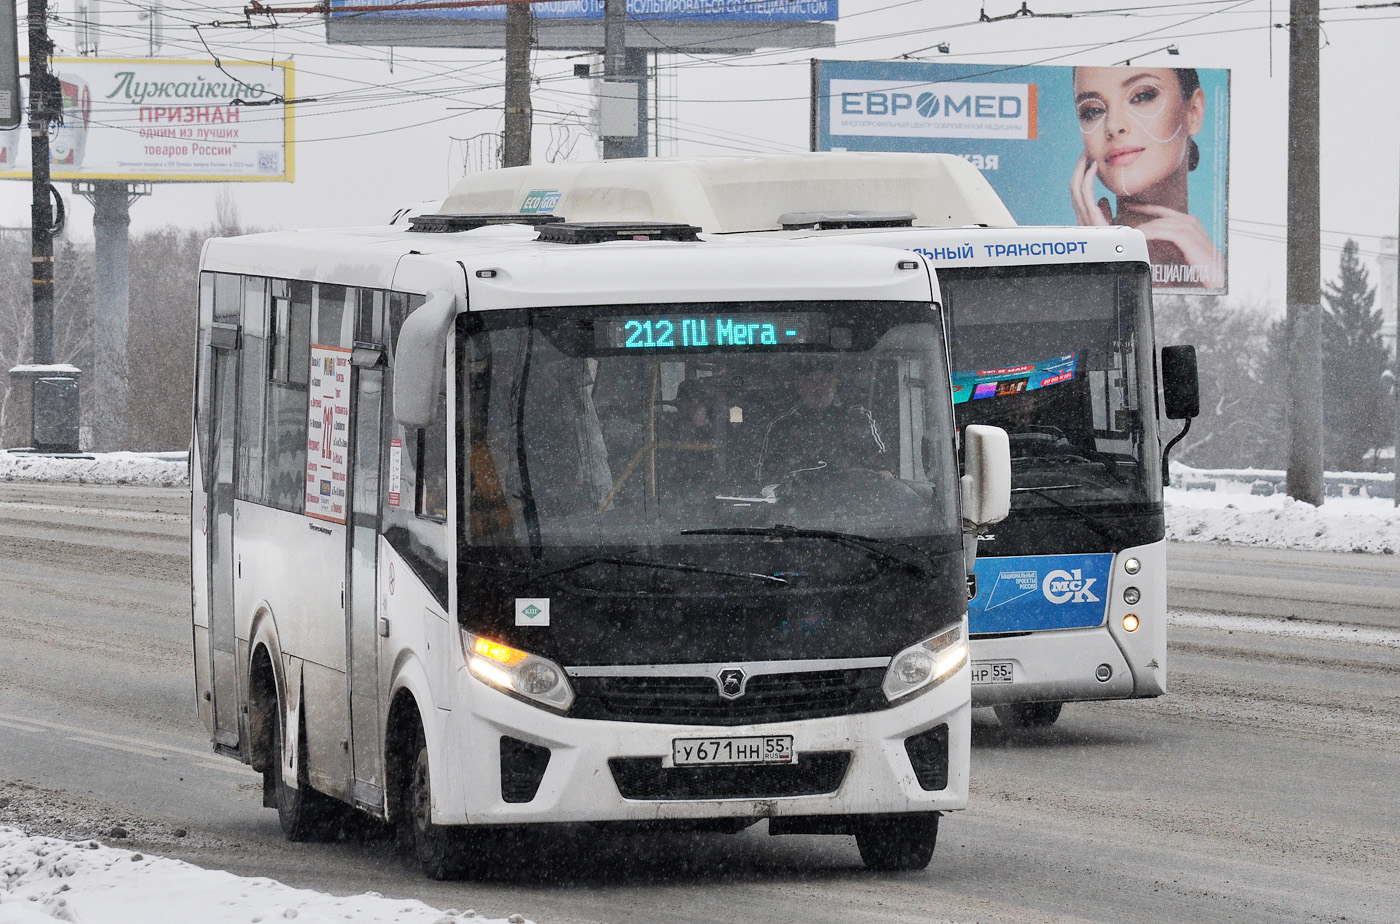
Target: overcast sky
{"x": 385, "y": 132}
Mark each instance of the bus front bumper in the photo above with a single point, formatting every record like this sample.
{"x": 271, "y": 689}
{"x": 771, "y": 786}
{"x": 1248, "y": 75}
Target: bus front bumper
{"x": 590, "y": 763}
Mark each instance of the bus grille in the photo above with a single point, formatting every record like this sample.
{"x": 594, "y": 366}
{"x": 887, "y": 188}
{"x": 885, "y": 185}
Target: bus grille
{"x": 644, "y": 778}
{"x": 696, "y": 700}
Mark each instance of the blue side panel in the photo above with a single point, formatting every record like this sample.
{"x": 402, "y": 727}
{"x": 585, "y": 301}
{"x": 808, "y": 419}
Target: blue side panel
{"x": 1032, "y": 592}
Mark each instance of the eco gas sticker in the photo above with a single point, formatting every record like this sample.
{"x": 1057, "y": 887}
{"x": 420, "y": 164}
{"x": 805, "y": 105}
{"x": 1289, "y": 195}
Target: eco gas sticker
{"x": 532, "y": 611}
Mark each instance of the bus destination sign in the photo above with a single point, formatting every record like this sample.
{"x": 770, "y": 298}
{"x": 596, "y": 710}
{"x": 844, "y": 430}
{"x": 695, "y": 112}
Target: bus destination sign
{"x": 710, "y": 331}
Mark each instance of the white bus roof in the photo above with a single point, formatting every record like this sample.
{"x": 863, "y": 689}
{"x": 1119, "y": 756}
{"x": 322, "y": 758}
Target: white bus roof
{"x": 1026, "y": 245}
{"x": 529, "y": 273}
{"x": 747, "y": 193}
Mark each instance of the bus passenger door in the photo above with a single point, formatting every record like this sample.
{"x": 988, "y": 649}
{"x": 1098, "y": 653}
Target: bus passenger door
{"x": 362, "y": 624}
{"x": 220, "y": 468}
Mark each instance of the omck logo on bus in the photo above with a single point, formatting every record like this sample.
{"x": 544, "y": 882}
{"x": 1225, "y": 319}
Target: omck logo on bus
{"x": 1062, "y": 586}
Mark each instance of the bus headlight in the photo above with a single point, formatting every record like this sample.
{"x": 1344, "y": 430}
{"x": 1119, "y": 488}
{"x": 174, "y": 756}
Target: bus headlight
{"x": 511, "y": 670}
{"x": 927, "y": 663}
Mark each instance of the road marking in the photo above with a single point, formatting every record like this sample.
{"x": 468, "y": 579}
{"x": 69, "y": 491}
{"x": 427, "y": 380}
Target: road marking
{"x": 1291, "y": 628}
{"x": 160, "y": 750}
{"x": 17, "y": 726}
{"x": 112, "y": 745}
{"x": 237, "y": 769}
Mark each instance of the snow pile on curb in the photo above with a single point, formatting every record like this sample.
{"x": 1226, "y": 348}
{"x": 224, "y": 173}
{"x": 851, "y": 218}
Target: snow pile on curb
{"x": 1342, "y": 524}
{"x": 147, "y": 469}
{"x": 44, "y": 880}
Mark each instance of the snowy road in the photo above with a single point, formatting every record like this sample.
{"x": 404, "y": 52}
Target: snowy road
{"x": 1258, "y": 791}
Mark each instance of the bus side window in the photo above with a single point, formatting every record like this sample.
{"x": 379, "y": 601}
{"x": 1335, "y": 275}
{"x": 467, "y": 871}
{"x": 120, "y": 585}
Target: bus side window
{"x": 432, "y": 464}
{"x": 420, "y": 538}
{"x": 251, "y": 425}
{"x": 284, "y": 469}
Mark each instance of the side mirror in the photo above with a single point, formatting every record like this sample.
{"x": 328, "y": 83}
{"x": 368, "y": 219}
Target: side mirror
{"x": 1181, "y": 387}
{"x": 419, "y": 359}
{"x": 986, "y": 488}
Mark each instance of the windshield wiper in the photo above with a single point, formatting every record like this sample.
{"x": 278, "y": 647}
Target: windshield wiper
{"x": 1097, "y": 525}
{"x": 645, "y": 563}
{"x": 867, "y": 544}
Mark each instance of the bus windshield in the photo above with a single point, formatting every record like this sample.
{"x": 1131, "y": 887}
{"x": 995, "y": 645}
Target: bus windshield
{"x": 1061, "y": 358}
{"x": 702, "y": 449}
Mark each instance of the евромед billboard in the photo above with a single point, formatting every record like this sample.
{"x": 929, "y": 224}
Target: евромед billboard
{"x": 157, "y": 120}
{"x": 1141, "y": 146}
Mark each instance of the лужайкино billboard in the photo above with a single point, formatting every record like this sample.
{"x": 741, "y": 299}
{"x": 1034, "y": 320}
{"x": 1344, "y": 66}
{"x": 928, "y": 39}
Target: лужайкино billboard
{"x": 1141, "y": 146}
{"x": 154, "y": 120}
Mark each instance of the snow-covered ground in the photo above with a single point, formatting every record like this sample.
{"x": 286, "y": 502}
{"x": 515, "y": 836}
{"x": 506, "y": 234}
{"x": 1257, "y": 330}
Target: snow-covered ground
{"x": 44, "y": 880}
{"x": 1226, "y": 512}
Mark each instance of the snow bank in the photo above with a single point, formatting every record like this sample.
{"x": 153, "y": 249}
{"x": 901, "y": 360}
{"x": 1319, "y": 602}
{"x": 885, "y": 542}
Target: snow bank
{"x": 148, "y": 469}
{"x": 1231, "y": 513}
{"x": 44, "y": 880}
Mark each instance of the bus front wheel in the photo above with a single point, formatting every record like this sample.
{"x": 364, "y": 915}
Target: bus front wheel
{"x": 439, "y": 849}
{"x": 1028, "y": 715}
{"x": 898, "y": 842}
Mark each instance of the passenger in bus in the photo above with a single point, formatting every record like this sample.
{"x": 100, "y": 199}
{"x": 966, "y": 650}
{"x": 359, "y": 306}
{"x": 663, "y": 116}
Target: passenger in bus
{"x": 820, "y": 431}
{"x": 688, "y": 440}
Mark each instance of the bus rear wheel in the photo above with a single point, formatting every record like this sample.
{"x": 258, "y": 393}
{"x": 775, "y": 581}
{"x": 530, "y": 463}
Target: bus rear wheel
{"x": 303, "y": 813}
{"x": 898, "y": 842}
{"x": 1028, "y": 715}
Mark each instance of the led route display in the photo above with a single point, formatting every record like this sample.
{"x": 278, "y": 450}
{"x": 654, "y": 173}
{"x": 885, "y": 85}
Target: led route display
{"x": 709, "y": 331}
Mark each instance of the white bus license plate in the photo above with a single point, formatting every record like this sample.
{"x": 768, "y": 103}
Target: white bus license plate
{"x": 757, "y": 749}
{"x": 993, "y": 671}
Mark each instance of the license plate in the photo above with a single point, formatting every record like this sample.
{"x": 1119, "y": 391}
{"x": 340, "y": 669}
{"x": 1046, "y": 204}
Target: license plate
{"x": 993, "y": 671}
{"x": 757, "y": 749}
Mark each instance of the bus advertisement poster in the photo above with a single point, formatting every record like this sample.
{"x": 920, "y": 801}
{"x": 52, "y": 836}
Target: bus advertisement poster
{"x": 328, "y": 433}
{"x": 143, "y": 119}
{"x": 1146, "y": 147}
{"x": 1035, "y": 592}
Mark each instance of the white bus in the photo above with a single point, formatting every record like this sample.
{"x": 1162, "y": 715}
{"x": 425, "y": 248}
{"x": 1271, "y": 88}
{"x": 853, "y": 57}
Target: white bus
{"x": 495, "y": 526}
{"x": 1051, "y": 338}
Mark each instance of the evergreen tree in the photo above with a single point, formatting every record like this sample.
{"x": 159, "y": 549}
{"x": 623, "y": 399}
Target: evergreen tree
{"x": 1353, "y": 407}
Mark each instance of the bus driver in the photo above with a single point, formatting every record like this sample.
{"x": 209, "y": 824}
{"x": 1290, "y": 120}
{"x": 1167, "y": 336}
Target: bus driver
{"x": 819, "y": 431}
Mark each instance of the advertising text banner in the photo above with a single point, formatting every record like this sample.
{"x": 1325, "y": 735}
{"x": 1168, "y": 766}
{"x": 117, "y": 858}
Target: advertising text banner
{"x": 156, "y": 120}
{"x": 328, "y": 433}
{"x": 714, "y": 10}
{"x": 1141, "y": 146}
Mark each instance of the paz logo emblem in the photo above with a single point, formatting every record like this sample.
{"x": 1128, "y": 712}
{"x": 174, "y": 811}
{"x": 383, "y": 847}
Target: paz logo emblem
{"x": 731, "y": 682}
{"x": 532, "y": 611}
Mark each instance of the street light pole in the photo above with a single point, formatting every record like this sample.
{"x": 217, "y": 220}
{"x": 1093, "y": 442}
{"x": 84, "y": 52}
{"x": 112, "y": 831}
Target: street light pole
{"x": 43, "y": 108}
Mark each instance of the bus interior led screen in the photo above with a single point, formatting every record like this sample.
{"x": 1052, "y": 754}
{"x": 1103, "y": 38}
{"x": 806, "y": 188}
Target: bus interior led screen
{"x": 1013, "y": 380}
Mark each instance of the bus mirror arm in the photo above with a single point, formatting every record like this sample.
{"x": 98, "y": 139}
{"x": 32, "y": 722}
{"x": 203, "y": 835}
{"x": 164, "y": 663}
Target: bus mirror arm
{"x": 1166, "y": 472}
{"x": 420, "y": 358}
{"x": 986, "y": 488}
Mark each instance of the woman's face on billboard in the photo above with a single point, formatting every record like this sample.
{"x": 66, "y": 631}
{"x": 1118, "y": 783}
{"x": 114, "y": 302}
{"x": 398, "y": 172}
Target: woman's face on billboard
{"x": 1137, "y": 127}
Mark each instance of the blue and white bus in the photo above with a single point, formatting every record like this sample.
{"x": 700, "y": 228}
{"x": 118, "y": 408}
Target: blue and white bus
{"x": 1051, "y": 337}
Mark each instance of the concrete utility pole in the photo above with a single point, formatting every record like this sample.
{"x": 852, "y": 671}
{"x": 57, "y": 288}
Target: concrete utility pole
{"x": 520, "y": 115}
{"x": 44, "y": 107}
{"x": 623, "y": 65}
{"x": 1305, "y": 479}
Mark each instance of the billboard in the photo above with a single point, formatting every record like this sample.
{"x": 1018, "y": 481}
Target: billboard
{"x": 666, "y": 25}
{"x": 637, "y": 10}
{"x": 1141, "y": 146}
{"x": 153, "y": 120}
